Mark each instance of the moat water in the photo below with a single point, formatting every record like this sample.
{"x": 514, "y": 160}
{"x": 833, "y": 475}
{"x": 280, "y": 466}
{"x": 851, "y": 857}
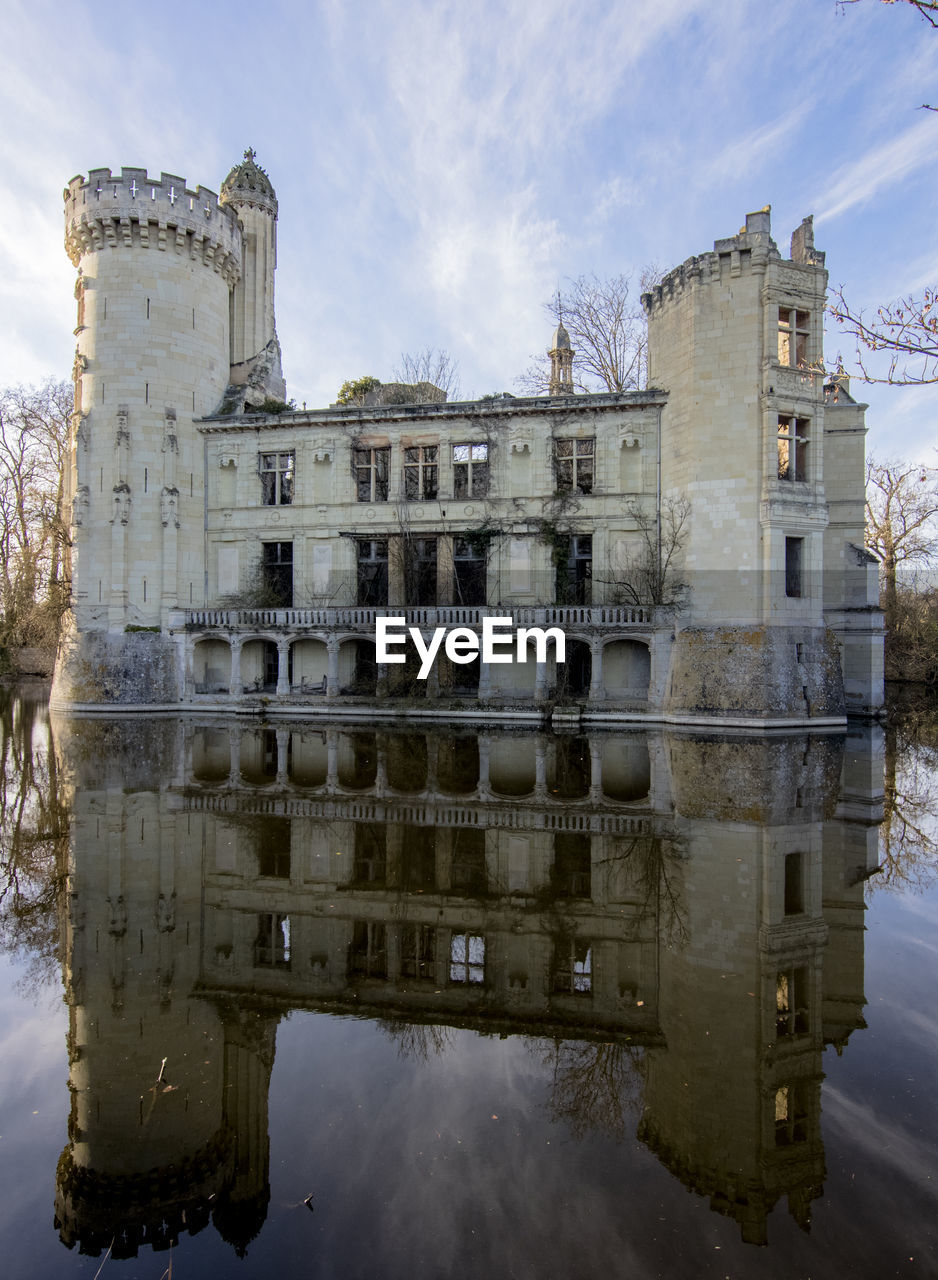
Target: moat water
{"x": 312, "y": 1000}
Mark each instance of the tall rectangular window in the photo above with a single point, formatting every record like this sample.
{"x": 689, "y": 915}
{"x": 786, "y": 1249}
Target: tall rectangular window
{"x": 470, "y": 470}
{"x": 791, "y": 1003}
{"x": 469, "y": 569}
{"x": 794, "y": 894}
{"x": 368, "y": 950}
{"x": 573, "y": 560}
{"x": 277, "y": 472}
{"x": 371, "y": 468}
{"x": 572, "y": 967}
{"x": 794, "y": 555}
{"x": 372, "y": 571}
{"x": 272, "y": 943}
{"x": 793, "y": 333}
{"x": 791, "y": 1113}
{"x": 573, "y": 464}
{"x": 421, "y": 471}
{"x": 420, "y": 565}
{"x": 277, "y": 567}
{"x": 792, "y": 447}
{"x": 467, "y": 958}
{"x": 418, "y": 952}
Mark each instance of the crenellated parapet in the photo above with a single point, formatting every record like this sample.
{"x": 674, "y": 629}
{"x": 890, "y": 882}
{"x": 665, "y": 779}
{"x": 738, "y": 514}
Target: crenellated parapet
{"x": 110, "y": 211}
{"x": 750, "y": 249}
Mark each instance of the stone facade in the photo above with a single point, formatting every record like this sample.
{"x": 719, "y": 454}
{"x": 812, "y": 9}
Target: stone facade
{"x": 700, "y": 543}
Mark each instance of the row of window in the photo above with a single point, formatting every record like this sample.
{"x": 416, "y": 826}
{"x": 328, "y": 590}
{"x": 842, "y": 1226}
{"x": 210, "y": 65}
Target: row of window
{"x": 574, "y": 472}
{"x": 371, "y": 469}
{"x": 571, "y": 971}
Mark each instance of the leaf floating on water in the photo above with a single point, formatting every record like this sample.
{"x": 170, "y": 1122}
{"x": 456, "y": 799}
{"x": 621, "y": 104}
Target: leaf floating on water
{"x": 309, "y": 1202}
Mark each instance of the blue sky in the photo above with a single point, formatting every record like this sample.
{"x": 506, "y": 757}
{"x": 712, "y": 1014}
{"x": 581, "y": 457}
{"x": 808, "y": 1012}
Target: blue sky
{"x": 441, "y": 167}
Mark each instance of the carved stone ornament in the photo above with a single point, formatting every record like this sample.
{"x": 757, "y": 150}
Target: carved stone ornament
{"x": 324, "y": 451}
{"x": 121, "y": 504}
{"x": 80, "y": 505}
{"x": 170, "y": 439}
{"x": 123, "y": 424}
{"x": 521, "y": 438}
{"x": 169, "y": 506}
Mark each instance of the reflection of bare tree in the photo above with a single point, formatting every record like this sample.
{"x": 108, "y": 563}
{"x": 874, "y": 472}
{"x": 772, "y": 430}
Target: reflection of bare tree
{"x": 908, "y": 838}
{"x": 418, "y": 1040}
{"x": 593, "y": 1086}
{"x": 33, "y": 837}
{"x": 649, "y": 867}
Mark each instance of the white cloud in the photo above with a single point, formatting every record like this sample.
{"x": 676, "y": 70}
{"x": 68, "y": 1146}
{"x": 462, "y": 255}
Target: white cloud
{"x": 883, "y": 165}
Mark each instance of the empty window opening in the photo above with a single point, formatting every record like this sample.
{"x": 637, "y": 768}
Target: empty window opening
{"x": 791, "y": 1004}
{"x": 418, "y": 952}
{"x": 792, "y": 447}
{"x": 277, "y": 570}
{"x": 467, "y": 958}
{"x": 272, "y": 944}
{"x": 421, "y": 471}
{"x": 573, "y": 465}
{"x": 469, "y": 569}
{"x": 368, "y": 951}
{"x": 372, "y": 571}
{"x": 371, "y": 468}
{"x": 573, "y": 560}
{"x": 420, "y": 567}
{"x": 277, "y": 473}
{"x": 470, "y": 470}
{"x": 791, "y": 1114}
{"x": 572, "y": 971}
{"x": 793, "y": 333}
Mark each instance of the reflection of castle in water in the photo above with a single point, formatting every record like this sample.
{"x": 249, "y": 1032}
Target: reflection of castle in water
{"x": 699, "y": 897}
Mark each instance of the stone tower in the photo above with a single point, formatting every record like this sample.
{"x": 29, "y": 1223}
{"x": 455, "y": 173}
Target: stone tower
{"x": 157, "y": 263}
{"x": 735, "y": 338}
{"x": 561, "y": 363}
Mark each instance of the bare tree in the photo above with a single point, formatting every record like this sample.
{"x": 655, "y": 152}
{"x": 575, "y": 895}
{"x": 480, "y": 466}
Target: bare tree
{"x": 648, "y": 575}
{"x": 607, "y": 331}
{"x": 905, "y": 330}
{"x": 34, "y": 542}
{"x": 901, "y": 512}
{"x": 927, "y": 8}
{"x": 431, "y": 367}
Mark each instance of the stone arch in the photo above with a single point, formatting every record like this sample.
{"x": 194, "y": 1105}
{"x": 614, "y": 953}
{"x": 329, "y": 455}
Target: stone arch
{"x": 211, "y": 755}
{"x": 211, "y": 665}
{"x": 626, "y": 768}
{"x": 626, "y": 669}
{"x": 259, "y": 664}
{"x": 512, "y": 766}
{"x": 309, "y": 664}
{"x": 574, "y": 675}
{"x": 358, "y": 671}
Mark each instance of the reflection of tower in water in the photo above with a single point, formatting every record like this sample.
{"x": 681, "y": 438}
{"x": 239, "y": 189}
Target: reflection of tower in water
{"x": 700, "y": 898}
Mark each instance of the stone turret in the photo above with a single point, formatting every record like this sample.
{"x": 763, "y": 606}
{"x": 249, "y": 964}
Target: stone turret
{"x": 255, "y": 351}
{"x": 561, "y": 363}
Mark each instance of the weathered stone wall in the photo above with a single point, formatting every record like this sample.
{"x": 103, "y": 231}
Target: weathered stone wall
{"x": 136, "y": 668}
{"x": 759, "y": 672}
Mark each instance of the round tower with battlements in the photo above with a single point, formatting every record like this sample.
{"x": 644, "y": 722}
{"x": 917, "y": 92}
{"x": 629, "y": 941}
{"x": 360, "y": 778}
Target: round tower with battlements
{"x": 157, "y": 263}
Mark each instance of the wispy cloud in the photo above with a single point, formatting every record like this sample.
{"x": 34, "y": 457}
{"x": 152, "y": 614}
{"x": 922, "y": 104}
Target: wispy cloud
{"x": 858, "y": 180}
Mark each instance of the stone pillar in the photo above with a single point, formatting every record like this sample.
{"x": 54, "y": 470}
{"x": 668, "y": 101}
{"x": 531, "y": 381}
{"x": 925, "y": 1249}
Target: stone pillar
{"x": 283, "y": 666}
{"x": 234, "y": 678}
{"x": 540, "y": 767}
{"x": 332, "y": 760}
{"x": 432, "y": 783}
{"x": 596, "y": 769}
{"x": 332, "y": 677}
{"x": 596, "y": 669}
{"x": 484, "y": 789}
{"x": 540, "y": 682}
{"x": 381, "y": 687}
{"x": 485, "y": 681}
{"x": 283, "y": 756}
{"x": 234, "y": 753}
{"x": 381, "y": 766}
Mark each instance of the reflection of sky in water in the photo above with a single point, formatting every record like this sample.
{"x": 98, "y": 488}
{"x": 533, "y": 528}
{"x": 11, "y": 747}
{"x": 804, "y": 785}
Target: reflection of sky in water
{"x": 429, "y": 1149}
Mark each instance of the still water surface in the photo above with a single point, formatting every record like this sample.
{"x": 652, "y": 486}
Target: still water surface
{"x": 305, "y": 1001}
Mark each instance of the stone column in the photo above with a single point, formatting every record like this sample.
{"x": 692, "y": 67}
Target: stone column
{"x": 540, "y": 682}
{"x": 485, "y": 681}
{"x": 596, "y": 769}
{"x": 332, "y": 760}
{"x": 234, "y": 678}
{"x": 381, "y": 688}
{"x": 283, "y": 666}
{"x": 596, "y": 669}
{"x": 540, "y": 767}
{"x": 332, "y": 676}
{"x": 283, "y": 755}
{"x": 234, "y": 753}
{"x": 484, "y": 789}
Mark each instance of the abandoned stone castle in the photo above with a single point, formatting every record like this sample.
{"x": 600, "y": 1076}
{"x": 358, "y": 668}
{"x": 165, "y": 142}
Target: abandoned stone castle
{"x": 699, "y": 543}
